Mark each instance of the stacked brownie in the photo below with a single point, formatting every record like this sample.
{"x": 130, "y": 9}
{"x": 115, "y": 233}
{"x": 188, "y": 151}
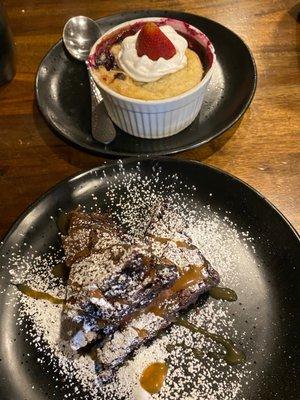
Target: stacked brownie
{"x": 123, "y": 290}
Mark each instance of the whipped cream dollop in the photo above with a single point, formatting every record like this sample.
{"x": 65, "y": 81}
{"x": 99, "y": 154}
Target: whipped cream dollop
{"x": 143, "y": 69}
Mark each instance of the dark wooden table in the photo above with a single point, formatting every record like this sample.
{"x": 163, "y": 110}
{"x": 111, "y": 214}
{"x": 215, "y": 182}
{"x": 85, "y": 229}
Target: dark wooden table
{"x": 263, "y": 150}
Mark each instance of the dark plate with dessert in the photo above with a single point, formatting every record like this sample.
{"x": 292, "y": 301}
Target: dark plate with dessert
{"x": 63, "y": 93}
{"x": 265, "y": 274}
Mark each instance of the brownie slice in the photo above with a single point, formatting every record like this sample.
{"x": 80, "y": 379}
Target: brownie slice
{"x": 122, "y": 291}
{"x": 111, "y": 276}
{"x": 149, "y": 322}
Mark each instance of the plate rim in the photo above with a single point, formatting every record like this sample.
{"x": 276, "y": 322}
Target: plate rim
{"x": 135, "y": 160}
{"x": 112, "y": 153}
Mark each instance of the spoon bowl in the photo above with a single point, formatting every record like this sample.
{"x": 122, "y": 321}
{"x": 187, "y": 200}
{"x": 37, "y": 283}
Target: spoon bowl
{"x": 79, "y": 35}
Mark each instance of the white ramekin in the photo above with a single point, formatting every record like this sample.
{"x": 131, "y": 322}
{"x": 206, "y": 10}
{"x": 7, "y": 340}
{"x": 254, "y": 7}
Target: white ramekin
{"x": 153, "y": 119}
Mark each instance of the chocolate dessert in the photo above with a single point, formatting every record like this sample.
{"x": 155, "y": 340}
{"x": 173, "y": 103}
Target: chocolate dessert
{"x": 122, "y": 291}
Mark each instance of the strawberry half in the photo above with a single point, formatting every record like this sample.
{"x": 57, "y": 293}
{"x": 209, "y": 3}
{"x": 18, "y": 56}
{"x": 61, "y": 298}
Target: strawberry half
{"x": 152, "y": 42}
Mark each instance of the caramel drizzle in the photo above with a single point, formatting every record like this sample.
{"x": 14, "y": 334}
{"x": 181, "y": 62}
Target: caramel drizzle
{"x": 142, "y": 333}
{"x": 189, "y": 278}
{"x": 192, "y": 276}
{"x": 153, "y": 377}
{"x": 219, "y": 293}
{"x": 233, "y": 355}
{"x": 179, "y": 243}
{"x": 35, "y": 294}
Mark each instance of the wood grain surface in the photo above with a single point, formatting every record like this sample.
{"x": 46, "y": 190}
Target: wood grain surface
{"x": 263, "y": 149}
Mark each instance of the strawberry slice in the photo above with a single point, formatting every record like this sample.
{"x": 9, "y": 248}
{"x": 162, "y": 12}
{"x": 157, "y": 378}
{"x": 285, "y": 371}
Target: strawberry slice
{"x": 152, "y": 42}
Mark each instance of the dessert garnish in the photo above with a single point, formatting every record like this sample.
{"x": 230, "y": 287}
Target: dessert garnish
{"x": 151, "y": 53}
{"x": 232, "y": 356}
{"x": 153, "y": 43}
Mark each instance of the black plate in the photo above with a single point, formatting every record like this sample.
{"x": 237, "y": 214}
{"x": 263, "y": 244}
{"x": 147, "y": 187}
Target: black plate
{"x": 275, "y": 347}
{"x": 63, "y": 94}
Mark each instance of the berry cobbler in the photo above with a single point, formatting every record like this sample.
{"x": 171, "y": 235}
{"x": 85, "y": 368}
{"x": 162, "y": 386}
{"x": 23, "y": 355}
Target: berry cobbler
{"x": 148, "y": 61}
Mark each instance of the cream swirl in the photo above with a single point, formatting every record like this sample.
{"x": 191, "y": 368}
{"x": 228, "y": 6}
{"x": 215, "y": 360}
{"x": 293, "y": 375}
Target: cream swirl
{"x": 143, "y": 69}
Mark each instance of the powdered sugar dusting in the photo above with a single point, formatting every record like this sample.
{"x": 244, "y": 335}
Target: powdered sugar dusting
{"x": 132, "y": 198}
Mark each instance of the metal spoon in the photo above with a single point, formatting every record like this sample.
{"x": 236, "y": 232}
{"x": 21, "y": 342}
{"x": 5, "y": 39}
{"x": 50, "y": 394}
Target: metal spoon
{"x": 79, "y": 35}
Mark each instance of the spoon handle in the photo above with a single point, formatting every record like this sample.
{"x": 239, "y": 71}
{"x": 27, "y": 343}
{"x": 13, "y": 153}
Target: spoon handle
{"x": 103, "y": 130}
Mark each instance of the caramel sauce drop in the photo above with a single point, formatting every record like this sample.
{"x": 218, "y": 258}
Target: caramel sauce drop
{"x": 193, "y": 275}
{"x": 233, "y": 355}
{"x": 156, "y": 310}
{"x": 142, "y": 333}
{"x": 179, "y": 243}
{"x": 185, "y": 245}
{"x": 35, "y": 294}
{"x": 223, "y": 294}
{"x": 159, "y": 239}
{"x": 153, "y": 377}
{"x": 95, "y": 293}
{"x": 189, "y": 278}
